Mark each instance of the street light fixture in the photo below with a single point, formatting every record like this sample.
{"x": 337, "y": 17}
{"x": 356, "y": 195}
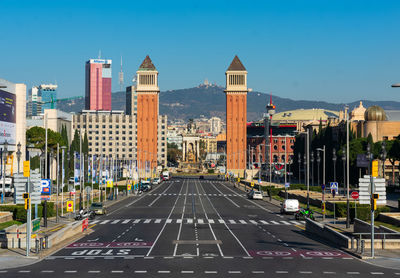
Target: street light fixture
{"x": 299, "y": 162}
{"x": 318, "y": 162}
{"x": 312, "y": 167}
{"x": 383, "y": 156}
{"x": 344, "y": 167}
{"x": 5, "y": 150}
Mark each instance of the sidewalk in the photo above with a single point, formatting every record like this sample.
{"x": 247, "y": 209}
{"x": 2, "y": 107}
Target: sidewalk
{"x": 12, "y": 258}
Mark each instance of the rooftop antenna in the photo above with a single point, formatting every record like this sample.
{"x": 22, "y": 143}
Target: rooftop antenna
{"x": 100, "y": 54}
{"x": 121, "y": 78}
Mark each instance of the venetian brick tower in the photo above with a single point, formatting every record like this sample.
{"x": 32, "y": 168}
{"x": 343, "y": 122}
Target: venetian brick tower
{"x": 236, "y": 117}
{"x": 147, "y": 114}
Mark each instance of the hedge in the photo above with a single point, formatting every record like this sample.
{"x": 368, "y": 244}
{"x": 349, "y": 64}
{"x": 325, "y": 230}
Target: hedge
{"x": 19, "y": 212}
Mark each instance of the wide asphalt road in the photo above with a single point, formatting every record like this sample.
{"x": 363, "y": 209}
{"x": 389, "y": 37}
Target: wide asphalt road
{"x": 197, "y": 228}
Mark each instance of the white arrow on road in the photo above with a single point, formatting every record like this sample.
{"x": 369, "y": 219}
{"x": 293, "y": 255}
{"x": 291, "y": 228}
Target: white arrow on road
{"x": 90, "y": 240}
{"x": 138, "y": 239}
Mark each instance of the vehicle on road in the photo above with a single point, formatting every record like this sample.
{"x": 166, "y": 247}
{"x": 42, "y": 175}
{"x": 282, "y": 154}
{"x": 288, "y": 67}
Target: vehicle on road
{"x": 156, "y": 181}
{"x": 166, "y": 175}
{"x": 201, "y": 178}
{"x": 98, "y": 208}
{"x": 82, "y": 214}
{"x": 304, "y": 213}
{"x": 145, "y": 185}
{"x": 71, "y": 180}
{"x": 290, "y": 206}
{"x": 255, "y": 194}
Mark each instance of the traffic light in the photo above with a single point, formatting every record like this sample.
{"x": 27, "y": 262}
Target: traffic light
{"x": 27, "y": 203}
{"x": 374, "y": 197}
{"x": 25, "y": 195}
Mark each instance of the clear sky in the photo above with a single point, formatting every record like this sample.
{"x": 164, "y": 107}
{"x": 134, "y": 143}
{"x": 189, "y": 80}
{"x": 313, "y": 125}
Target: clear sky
{"x": 330, "y": 50}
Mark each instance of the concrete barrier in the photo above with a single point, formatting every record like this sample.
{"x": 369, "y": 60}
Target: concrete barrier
{"x": 324, "y": 232}
{"x": 390, "y": 218}
{"x": 5, "y": 216}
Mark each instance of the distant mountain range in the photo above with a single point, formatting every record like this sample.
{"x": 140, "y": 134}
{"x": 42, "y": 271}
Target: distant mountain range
{"x": 210, "y": 101}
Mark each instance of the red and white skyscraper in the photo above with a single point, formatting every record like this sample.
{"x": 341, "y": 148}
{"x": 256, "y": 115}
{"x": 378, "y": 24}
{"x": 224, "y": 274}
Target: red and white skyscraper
{"x": 98, "y": 85}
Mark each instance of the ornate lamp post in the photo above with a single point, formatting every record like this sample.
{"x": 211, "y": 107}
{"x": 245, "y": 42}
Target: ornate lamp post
{"x": 305, "y": 168}
{"x": 344, "y": 167}
{"x": 383, "y": 157}
{"x": 312, "y": 167}
{"x": 299, "y": 162}
{"x": 334, "y": 158}
{"x": 318, "y": 162}
{"x": 5, "y": 150}
{"x": 18, "y": 154}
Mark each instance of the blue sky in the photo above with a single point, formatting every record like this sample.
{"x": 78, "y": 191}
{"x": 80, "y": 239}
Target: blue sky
{"x": 337, "y": 51}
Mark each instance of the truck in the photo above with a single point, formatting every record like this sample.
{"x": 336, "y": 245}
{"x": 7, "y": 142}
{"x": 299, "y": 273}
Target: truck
{"x": 165, "y": 175}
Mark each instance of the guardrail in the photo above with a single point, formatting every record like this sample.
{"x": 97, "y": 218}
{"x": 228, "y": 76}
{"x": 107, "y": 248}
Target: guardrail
{"x": 382, "y": 238}
{"x": 20, "y": 243}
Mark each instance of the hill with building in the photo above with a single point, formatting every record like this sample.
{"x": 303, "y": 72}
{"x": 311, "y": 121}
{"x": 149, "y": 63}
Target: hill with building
{"x": 209, "y": 100}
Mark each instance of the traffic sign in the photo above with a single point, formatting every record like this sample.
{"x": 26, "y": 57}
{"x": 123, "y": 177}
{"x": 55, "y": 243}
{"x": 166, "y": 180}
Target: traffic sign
{"x": 375, "y": 168}
{"x": 287, "y": 185}
{"x": 334, "y": 185}
{"x": 35, "y": 225}
{"x": 355, "y": 195}
{"x": 238, "y": 179}
{"x": 70, "y": 206}
{"x": 129, "y": 187}
{"x": 259, "y": 180}
{"x": 110, "y": 184}
{"x": 27, "y": 169}
{"x": 88, "y": 189}
{"x": 252, "y": 184}
{"x": 323, "y": 186}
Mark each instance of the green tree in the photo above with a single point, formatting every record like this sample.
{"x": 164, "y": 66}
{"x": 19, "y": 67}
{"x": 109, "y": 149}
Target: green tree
{"x": 173, "y": 153}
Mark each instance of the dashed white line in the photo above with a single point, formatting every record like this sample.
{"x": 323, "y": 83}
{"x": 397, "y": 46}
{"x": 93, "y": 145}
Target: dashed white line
{"x": 257, "y": 271}
{"x": 234, "y": 272}
{"x": 117, "y": 271}
{"x": 140, "y": 271}
{"x": 377, "y": 273}
{"x": 47, "y": 271}
{"x": 281, "y": 272}
{"x": 70, "y": 271}
{"x": 353, "y": 272}
{"x": 94, "y": 271}
{"x": 24, "y": 271}
{"x": 210, "y": 272}
{"x": 329, "y": 272}
{"x": 164, "y": 271}
{"x": 305, "y": 272}
{"x": 187, "y": 271}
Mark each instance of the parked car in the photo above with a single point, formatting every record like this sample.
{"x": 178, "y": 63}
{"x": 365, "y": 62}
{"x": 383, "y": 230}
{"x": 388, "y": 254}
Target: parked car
{"x": 145, "y": 185}
{"x": 290, "y": 206}
{"x": 98, "y": 208}
{"x": 71, "y": 180}
{"x": 255, "y": 194}
{"x": 156, "y": 181}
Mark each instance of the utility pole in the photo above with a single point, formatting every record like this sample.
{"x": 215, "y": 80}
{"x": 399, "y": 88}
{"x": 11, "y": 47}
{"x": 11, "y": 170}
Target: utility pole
{"x": 58, "y": 171}
{"x": 348, "y": 170}
{"x": 45, "y": 146}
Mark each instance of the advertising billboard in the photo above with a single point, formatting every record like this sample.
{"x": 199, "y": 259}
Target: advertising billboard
{"x": 7, "y": 117}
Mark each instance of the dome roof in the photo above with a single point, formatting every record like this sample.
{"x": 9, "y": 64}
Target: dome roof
{"x": 375, "y": 113}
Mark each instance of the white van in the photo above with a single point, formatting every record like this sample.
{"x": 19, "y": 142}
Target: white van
{"x": 9, "y": 188}
{"x": 290, "y": 206}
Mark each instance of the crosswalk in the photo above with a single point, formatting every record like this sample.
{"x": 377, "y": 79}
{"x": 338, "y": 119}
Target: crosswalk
{"x": 197, "y": 194}
{"x": 196, "y": 220}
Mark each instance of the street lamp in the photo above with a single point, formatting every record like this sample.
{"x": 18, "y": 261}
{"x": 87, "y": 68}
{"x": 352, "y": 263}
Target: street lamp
{"x": 323, "y": 163}
{"x": 19, "y": 154}
{"x": 383, "y": 156}
{"x": 344, "y": 167}
{"x": 318, "y": 162}
{"x": 5, "y": 150}
{"x": 299, "y": 162}
{"x": 312, "y": 167}
{"x": 334, "y": 158}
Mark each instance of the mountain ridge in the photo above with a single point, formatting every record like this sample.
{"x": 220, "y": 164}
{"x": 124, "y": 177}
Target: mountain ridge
{"x": 210, "y": 100}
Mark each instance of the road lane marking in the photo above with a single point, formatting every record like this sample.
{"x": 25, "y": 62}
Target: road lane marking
{"x": 181, "y": 219}
{"x": 242, "y": 222}
{"x": 47, "y": 271}
{"x": 136, "y": 221}
{"x": 104, "y": 222}
{"x": 94, "y": 221}
{"x": 240, "y": 243}
{"x": 168, "y": 221}
{"x": 164, "y": 271}
{"x": 165, "y": 224}
{"x": 274, "y": 222}
{"x": 94, "y": 271}
{"x": 210, "y": 272}
{"x": 329, "y": 272}
{"x": 157, "y": 221}
{"x": 70, "y": 271}
{"x": 189, "y": 220}
{"x": 147, "y": 221}
{"x": 200, "y": 221}
{"x": 305, "y": 272}
{"x": 115, "y": 221}
{"x": 377, "y": 273}
{"x": 187, "y": 271}
{"x": 156, "y": 199}
{"x": 225, "y": 196}
{"x": 258, "y": 272}
{"x": 281, "y": 271}
{"x": 234, "y": 272}
{"x": 353, "y": 272}
{"x": 126, "y": 221}
{"x": 285, "y": 222}
{"x": 264, "y": 222}
{"x": 117, "y": 271}
{"x": 253, "y": 222}
{"x": 211, "y": 221}
{"x": 140, "y": 271}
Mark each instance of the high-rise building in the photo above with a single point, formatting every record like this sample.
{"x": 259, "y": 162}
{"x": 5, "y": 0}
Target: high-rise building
{"x": 48, "y": 94}
{"x": 34, "y": 103}
{"x": 131, "y": 100}
{"x": 236, "y": 117}
{"x": 98, "y": 85}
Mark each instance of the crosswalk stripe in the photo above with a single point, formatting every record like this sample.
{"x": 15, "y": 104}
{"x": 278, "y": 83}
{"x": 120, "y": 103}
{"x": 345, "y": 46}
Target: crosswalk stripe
{"x": 211, "y": 221}
{"x": 94, "y": 222}
{"x": 232, "y": 221}
{"x": 274, "y": 222}
{"x": 168, "y": 221}
{"x": 136, "y": 221}
{"x": 147, "y": 221}
{"x": 157, "y": 221}
{"x": 242, "y": 222}
{"x": 189, "y": 220}
{"x": 115, "y": 221}
{"x": 200, "y": 221}
{"x": 285, "y": 222}
{"x": 264, "y": 222}
{"x": 179, "y": 221}
{"x": 221, "y": 221}
{"x": 253, "y": 222}
{"x": 295, "y": 222}
{"x": 126, "y": 221}
{"x": 104, "y": 222}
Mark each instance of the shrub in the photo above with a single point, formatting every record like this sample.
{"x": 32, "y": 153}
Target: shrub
{"x": 363, "y": 211}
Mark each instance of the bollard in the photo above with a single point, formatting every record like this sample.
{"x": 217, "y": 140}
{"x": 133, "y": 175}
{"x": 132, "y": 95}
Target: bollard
{"x": 358, "y": 245}
{"x": 352, "y": 243}
{"x": 362, "y": 246}
{"x": 19, "y": 242}
{"x": 384, "y": 241}
{"x": 41, "y": 243}
{"x": 36, "y": 246}
{"x": 46, "y": 239}
{"x": 13, "y": 243}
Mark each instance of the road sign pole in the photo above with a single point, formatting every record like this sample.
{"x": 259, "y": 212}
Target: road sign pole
{"x": 29, "y": 216}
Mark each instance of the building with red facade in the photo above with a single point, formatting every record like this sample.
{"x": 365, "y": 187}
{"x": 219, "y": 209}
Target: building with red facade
{"x": 98, "y": 85}
{"x": 283, "y": 138}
